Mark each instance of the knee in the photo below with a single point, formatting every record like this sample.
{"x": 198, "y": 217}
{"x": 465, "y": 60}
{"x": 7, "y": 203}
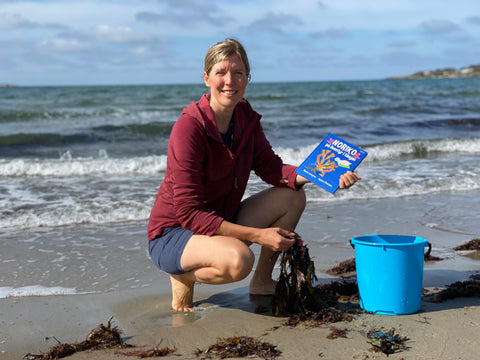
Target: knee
{"x": 302, "y": 198}
{"x": 299, "y": 200}
{"x": 240, "y": 263}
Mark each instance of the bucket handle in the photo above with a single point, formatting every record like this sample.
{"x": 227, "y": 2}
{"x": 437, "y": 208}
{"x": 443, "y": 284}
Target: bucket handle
{"x": 428, "y": 251}
{"x": 425, "y": 256}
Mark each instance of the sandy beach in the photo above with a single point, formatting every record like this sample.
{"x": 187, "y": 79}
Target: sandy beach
{"x": 447, "y": 330}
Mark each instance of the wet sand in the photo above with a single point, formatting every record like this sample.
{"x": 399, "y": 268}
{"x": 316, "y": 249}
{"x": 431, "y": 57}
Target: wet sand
{"x": 445, "y": 330}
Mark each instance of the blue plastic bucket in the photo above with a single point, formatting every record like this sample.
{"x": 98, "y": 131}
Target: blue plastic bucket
{"x": 390, "y": 272}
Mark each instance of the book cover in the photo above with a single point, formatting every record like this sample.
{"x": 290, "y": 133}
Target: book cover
{"x": 332, "y": 158}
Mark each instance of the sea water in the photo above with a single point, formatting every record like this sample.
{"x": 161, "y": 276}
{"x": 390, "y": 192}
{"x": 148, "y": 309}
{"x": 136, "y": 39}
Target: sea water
{"x": 80, "y": 166}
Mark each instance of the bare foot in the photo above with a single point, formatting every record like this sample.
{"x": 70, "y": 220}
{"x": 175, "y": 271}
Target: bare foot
{"x": 182, "y": 293}
{"x": 262, "y": 287}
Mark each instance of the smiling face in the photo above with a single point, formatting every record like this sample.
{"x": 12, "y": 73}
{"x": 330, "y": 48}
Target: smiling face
{"x": 227, "y": 81}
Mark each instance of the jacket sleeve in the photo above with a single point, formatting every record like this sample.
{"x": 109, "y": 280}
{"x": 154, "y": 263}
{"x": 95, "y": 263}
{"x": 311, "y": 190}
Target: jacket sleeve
{"x": 269, "y": 166}
{"x": 186, "y": 152}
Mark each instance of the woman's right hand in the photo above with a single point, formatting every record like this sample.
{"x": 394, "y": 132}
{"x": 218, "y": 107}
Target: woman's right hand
{"x": 275, "y": 238}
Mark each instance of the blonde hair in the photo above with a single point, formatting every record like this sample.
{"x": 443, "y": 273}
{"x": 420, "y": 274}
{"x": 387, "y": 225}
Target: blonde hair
{"x": 222, "y": 50}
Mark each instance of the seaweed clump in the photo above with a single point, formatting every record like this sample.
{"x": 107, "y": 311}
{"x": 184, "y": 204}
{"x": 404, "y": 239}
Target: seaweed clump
{"x": 386, "y": 342}
{"x": 345, "y": 267}
{"x": 319, "y": 318}
{"x": 294, "y": 292}
{"x": 296, "y": 296}
{"x": 471, "y": 245}
{"x": 467, "y": 288}
{"x": 242, "y": 346}
{"x": 431, "y": 257}
{"x": 335, "y": 291}
{"x": 336, "y": 333}
{"x": 102, "y": 337}
{"x": 155, "y": 352}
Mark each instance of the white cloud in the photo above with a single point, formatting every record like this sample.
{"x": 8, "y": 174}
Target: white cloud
{"x": 475, "y": 20}
{"x": 435, "y": 26}
{"x": 275, "y": 23}
{"x": 401, "y": 43}
{"x": 284, "y": 39}
{"x": 148, "y": 52}
{"x": 118, "y": 34}
{"x": 187, "y": 13}
{"x": 337, "y": 32}
{"x": 17, "y": 21}
{"x": 64, "y": 46}
{"x": 12, "y": 21}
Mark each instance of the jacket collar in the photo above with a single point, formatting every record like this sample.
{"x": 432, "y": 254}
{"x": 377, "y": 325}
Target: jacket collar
{"x": 204, "y": 114}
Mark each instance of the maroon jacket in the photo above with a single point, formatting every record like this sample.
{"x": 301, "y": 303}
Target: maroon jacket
{"x": 205, "y": 180}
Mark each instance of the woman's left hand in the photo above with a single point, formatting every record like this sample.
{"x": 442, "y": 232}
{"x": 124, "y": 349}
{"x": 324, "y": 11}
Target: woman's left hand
{"x": 348, "y": 179}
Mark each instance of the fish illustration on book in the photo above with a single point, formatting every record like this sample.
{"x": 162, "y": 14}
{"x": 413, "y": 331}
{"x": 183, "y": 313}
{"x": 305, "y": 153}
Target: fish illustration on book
{"x": 343, "y": 163}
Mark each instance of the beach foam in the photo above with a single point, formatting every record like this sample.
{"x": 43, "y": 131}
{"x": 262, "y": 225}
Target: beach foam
{"x": 34, "y": 290}
{"x": 68, "y": 165}
{"x": 104, "y": 190}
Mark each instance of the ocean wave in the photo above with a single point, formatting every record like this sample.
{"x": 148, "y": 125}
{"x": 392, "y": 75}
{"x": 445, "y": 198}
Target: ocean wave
{"x": 108, "y": 133}
{"x": 470, "y": 123}
{"x": 35, "y": 290}
{"x": 411, "y": 177}
{"x": 69, "y": 116}
{"x": 396, "y": 151}
{"x": 61, "y": 215}
{"x": 113, "y": 199}
{"x": 422, "y": 148}
{"x": 67, "y": 166}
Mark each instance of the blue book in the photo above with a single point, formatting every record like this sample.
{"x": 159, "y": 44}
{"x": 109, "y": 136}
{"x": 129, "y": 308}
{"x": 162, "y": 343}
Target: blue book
{"x": 332, "y": 158}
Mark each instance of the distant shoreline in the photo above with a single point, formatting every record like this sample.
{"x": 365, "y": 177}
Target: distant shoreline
{"x": 446, "y": 73}
{"x": 471, "y": 71}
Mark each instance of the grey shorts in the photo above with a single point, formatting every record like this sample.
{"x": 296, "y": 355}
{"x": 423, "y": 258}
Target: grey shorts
{"x": 167, "y": 249}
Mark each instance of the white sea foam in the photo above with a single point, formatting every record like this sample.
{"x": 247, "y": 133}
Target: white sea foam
{"x": 55, "y": 216}
{"x": 34, "y": 290}
{"x": 53, "y": 193}
{"x": 397, "y": 150}
{"x": 67, "y": 166}
{"x": 127, "y": 199}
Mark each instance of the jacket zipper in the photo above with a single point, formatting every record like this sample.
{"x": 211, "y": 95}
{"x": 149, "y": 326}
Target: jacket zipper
{"x": 235, "y": 183}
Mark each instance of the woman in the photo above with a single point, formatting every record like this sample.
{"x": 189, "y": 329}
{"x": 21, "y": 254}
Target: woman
{"x": 200, "y": 230}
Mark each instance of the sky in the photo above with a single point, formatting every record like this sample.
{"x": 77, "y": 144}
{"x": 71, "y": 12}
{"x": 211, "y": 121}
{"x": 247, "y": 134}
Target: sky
{"x": 123, "y": 42}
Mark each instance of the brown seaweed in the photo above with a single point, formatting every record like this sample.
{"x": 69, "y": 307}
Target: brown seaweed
{"x": 336, "y": 291}
{"x": 431, "y": 257}
{"x": 242, "y": 346}
{"x": 322, "y": 317}
{"x": 155, "y": 352}
{"x": 467, "y": 288}
{"x": 344, "y": 267}
{"x": 471, "y": 245}
{"x": 387, "y": 342}
{"x": 336, "y": 333}
{"x": 102, "y": 337}
{"x": 294, "y": 292}
{"x": 313, "y": 306}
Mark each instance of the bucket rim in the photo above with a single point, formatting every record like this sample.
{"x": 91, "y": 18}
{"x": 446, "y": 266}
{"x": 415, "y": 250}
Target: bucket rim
{"x": 357, "y": 240}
